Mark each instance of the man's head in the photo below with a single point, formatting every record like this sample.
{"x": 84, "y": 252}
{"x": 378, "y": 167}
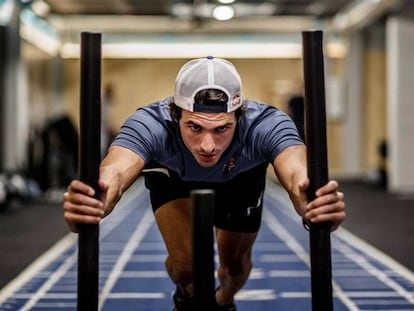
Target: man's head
{"x": 208, "y": 73}
{"x": 207, "y": 104}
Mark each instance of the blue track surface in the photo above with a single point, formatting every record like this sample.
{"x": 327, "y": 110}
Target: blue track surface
{"x": 133, "y": 277}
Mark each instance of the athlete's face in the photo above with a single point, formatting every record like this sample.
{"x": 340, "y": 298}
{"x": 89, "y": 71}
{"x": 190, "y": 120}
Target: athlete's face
{"x": 207, "y": 135}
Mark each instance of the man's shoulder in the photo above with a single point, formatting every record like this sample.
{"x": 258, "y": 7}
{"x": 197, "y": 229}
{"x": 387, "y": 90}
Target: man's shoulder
{"x": 159, "y": 110}
{"x": 162, "y": 104}
{"x": 257, "y": 110}
{"x": 152, "y": 120}
{"x": 261, "y": 118}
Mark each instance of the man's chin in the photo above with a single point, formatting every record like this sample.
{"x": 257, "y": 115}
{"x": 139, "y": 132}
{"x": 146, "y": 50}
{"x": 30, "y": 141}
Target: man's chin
{"x": 206, "y": 165}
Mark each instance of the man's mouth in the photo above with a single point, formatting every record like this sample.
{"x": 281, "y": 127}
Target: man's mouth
{"x": 207, "y": 157}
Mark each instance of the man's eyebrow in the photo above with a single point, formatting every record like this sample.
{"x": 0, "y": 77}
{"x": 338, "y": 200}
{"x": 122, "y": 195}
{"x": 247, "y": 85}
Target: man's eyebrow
{"x": 226, "y": 124}
{"x": 190, "y": 122}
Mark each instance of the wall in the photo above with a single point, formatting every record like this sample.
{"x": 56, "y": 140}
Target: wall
{"x": 374, "y": 97}
{"x": 400, "y": 46}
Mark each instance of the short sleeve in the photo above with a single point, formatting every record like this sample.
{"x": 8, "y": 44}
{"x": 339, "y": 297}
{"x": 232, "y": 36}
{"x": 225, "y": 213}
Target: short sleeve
{"x": 274, "y": 132}
{"x": 145, "y": 132}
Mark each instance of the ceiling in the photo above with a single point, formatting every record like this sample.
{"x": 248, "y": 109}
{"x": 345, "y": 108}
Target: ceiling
{"x": 178, "y": 24}
{"x": 171, "y": 16}
{"x": 167, "y": 7}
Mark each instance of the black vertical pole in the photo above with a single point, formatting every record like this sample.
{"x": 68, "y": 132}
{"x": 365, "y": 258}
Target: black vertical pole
{"x": 320, "y": 242}
{"x": 89, "y": 160}
{"x": 203, "y": 249}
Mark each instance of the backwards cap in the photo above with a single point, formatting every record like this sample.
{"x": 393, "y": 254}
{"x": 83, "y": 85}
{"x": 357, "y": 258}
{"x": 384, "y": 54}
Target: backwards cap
{"x": 208, "y": 73}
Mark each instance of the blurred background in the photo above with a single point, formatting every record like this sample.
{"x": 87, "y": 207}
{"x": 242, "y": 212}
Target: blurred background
{"x": 369, "y": 76}
{"x": 368, "y": 45}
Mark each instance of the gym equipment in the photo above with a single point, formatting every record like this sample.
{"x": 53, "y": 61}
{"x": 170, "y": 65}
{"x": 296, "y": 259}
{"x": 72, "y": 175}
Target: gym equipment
{"x": 315, "y": 117}
{"x": 203, "y": 200}
{"x": 203, "y": 249}
{"x": 89, "y": 160}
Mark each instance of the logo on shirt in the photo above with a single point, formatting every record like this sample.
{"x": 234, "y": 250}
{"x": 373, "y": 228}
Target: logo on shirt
{"x": 229, "y": 165}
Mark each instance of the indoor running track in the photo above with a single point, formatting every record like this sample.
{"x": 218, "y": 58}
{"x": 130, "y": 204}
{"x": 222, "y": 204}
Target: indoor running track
{"x": 132, "y": 274}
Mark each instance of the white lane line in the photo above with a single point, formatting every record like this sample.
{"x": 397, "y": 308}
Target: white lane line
{"x": 39, "y": 264}
{"x": 245, "y": 294}
{"x": 137, "y": 295}
{"x": 56, "y": 305}
{"x": 261, "y": 274}
{"x": 288, "y": 274}
{"x": 278, "y": 194}
{"x": 65, "y": 244}
{"x": 372, "y": 252}
{"x": 256, "y": 294}
{"x": 377, "y": 273}
{"x": 346, "y": 238}
{"x": 61, "y": 296}
{"x": 295, "y": 295}
{"x": 382, "y": 302}
{"x": 136, "y": 238}
{"x": 128, "y": 203}
{"x": 273, "y": 258}
{"x": 279, "y": 231}
{"x": 41, "y": 292}
{"x": 150, "y": 274}
{"x": 372, "y": 294}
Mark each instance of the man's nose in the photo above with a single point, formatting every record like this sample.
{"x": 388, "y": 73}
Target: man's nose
{"x": 207, "y": 143}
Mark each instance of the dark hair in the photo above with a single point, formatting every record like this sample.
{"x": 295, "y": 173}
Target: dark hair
{"x": 206, "y": 97}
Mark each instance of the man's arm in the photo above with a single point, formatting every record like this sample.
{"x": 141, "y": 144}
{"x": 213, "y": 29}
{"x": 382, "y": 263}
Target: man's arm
{"x": 291, "y": 170}
{"x": 118, "y": 171}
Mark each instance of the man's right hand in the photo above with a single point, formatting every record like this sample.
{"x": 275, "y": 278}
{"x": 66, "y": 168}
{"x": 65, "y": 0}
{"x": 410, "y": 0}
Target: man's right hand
{"x": 80, "y": 206}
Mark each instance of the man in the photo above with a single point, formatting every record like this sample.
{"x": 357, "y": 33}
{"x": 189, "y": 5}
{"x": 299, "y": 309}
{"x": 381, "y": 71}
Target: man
{"x": 206, "y": 136}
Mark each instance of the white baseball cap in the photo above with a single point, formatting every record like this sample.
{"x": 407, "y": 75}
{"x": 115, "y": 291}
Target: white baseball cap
{"x": 208, "y": 73}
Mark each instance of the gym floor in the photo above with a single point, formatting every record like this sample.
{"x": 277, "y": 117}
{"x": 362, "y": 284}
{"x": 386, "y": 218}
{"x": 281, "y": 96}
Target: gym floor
{"x": 382, "y": 220}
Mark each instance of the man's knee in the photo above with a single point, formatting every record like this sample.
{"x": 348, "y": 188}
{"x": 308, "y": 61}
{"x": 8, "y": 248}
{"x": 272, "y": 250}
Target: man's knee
{"x": 236, "y": 266}
{"x": 180, "y": 269}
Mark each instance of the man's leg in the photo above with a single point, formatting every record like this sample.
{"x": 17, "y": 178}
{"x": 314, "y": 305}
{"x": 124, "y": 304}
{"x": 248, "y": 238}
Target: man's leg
{"x": 174, "y": 222}
{"x": 234, "y": 250}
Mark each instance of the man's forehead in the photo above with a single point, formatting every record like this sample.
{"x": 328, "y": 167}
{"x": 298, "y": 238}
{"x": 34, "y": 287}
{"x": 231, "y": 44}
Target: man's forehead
{"x": 220, "y": 117}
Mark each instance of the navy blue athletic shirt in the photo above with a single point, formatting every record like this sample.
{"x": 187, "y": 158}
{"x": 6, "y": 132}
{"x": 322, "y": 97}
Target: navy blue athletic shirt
{"x": 262, "y": 133}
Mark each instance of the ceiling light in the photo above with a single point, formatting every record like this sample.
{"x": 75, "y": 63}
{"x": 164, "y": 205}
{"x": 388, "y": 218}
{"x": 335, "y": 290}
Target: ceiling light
{"x": 226, "y": 1}
{"x": 181, "y": 10}
{"x": 223, "y": 12}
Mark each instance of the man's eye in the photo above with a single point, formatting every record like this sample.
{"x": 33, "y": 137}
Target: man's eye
{"x": 194, "y": 127}
{"x": 221, "y": 129}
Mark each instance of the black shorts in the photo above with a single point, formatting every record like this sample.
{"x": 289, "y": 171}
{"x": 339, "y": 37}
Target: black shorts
{"x": 238, "y": 202}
